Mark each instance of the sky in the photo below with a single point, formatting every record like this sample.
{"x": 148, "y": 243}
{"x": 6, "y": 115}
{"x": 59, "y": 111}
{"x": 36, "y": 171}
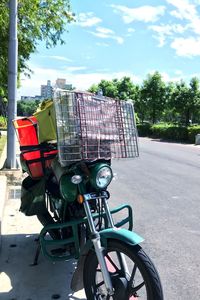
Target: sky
{"x": 115, "y": 38}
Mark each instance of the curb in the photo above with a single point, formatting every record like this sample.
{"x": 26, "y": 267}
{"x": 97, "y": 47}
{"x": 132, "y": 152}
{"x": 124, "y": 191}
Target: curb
{"x": 3, "y": 156}
{"x": 3, "y": 186}
{"x": 3, "y": 189}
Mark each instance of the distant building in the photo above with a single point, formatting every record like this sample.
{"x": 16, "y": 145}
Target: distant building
{"x": 61, "y": 84}
{"x": 27, "y": 98}
{"x": 47, "y": 90}
{"x": 32, "y": 98}
{"x": 68, "y": 87}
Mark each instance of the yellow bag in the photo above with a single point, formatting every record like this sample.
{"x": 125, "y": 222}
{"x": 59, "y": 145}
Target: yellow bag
{"x": 46, "y": 118}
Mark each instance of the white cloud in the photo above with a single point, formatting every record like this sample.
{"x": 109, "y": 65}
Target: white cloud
{"x": 74, "y": 69}
{"x": 163, "y": 31}
{"x": 178, "y": 72}
{"x": 31, "y": 87}
{"x": 87, "y": 19}
{"x": 102, "y": 44}
{"x": 184, "y": 9}
{"x": 130, "y": 29}
{"x": 187, "y": 11}
{"x": 166, "y": 77}
{"x": 187, "y": 47}
{"x": 106, "y": 33}
{"x": 62, "y": 58}
{"x": 145, "y": 13}
{"x": 130, "y": 32}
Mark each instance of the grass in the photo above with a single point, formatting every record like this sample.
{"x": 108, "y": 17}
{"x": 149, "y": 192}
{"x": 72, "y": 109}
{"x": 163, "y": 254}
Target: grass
{"x": 2, "y": 142}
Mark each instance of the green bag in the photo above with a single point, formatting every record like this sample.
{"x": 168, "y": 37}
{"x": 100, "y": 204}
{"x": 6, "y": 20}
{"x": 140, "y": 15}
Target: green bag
{"x": 46, "y": 118}
{"x": 33, "y": 196}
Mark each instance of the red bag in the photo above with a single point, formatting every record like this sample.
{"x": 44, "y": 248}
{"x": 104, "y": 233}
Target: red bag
{"x": 36, "y": 158}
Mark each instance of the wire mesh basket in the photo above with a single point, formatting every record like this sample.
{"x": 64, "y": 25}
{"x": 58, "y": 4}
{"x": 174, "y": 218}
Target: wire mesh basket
{"x": 91, "y": 127}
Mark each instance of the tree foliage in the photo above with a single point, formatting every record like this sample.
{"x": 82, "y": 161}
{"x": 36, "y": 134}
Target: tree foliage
{"x": 117, "y": 88}
{"x": 185, "y": 100}
{"x": 153, "y": 94}
{"x": 155, "y": 101}
{"x": 38, "y": 20}
{"x": 27, "y": 108}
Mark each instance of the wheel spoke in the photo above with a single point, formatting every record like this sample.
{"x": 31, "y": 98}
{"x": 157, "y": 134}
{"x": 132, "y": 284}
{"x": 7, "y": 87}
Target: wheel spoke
{"x": 132, "y": 275}
{"x": 99, "y": 284}
{"x": 98, "y": 270}
{"x": 112, "y": 263}
{"x": 123, "y": 265}
{"x": 137, "y": 288}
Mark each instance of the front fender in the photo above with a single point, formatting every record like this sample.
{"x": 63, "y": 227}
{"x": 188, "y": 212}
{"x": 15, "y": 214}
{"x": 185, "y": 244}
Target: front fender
{"x": 120, "y": 234}
{"x": 124, "y": 235}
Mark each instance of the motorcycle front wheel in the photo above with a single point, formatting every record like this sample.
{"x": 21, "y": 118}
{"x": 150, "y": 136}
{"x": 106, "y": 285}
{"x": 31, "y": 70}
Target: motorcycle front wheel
{"x": 133, "y": 275}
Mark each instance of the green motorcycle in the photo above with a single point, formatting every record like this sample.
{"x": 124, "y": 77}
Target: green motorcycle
{"x": 72, "y": 201}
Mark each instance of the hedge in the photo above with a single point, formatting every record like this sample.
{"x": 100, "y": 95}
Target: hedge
{"x": 3, "y": 122}
{"x": 192, "y": 132}
{"x": 144, "y": 129}
{"x": 169, "y": 132}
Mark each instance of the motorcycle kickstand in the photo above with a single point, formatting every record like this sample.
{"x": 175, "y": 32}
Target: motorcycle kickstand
{"x": 38, "y": 250}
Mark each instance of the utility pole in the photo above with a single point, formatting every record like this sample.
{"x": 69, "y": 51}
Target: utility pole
{"x": 11, "y": 162}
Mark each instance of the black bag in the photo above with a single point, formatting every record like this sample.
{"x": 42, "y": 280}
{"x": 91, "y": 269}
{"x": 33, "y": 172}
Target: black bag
{"x": 33, "y": 196}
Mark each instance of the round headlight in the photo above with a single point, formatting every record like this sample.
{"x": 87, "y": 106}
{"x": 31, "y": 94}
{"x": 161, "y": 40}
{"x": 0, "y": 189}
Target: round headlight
{"x": 104, "y": 177}
{"x": 76, "y": 179}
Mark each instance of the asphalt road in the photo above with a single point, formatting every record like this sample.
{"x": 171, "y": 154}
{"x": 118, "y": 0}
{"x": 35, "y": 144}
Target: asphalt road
{"x": 163, "y": 188}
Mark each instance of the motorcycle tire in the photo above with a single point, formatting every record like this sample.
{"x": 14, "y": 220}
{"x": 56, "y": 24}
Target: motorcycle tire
{"x": 139, "y": 281}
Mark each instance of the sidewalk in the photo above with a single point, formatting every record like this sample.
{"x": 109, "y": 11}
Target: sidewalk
{"x": 18, "y": 279}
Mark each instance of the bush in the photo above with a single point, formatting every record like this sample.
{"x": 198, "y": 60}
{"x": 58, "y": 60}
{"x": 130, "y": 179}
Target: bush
{"x": 167, "y": 131}
{"x": 192, "y": 132}
{"x": 2, "y": 143}
{"x": 3, "y": 122}
{"x": 144, "y": 129}
{"x": 170, "y": 132}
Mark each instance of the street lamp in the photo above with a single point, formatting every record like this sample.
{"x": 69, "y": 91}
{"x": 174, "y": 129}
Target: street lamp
{"x": 11, "y": 162}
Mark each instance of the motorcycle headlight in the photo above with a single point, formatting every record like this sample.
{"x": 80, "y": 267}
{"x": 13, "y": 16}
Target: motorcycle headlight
{"x": 101, "y": 176}
{"x": 104, "y": 177}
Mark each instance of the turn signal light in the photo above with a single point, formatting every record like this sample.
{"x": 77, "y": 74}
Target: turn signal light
{"x": 80, "y": 199}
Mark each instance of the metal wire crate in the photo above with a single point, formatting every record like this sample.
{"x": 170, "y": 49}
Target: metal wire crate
{"x": 91, "y": 127}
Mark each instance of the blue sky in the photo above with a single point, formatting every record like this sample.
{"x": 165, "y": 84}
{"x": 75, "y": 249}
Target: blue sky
{"x": 112, "y": 39}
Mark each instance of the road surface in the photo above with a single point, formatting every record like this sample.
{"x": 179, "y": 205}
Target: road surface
{"x": 163, "y": 186}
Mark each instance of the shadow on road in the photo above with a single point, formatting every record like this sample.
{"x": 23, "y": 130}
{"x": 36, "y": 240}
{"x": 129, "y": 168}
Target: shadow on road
{"x": 21, "y": 281}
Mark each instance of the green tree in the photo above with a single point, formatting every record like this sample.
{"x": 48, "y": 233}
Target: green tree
{"x": 140, "y": 106}
{"x": 154, "y": 96}
{"x": 26, "y": 108}
{"x": 185, "y": 100}
{"x": 38, "y": 20}
{"x": 107, "y": 87}
{"x": 122, "y": 89}
{"x": 194, "y": 103}
{"x": 126, "y": 88}
{"x": 169, "y": 114}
